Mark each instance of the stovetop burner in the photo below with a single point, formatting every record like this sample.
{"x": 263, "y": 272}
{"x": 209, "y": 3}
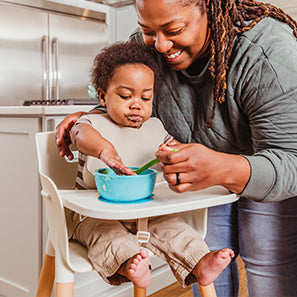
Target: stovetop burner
{"x": 60, "y": 102}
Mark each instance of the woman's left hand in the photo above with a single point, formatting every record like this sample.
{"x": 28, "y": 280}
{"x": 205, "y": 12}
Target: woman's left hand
{"x": 194, "y": 166}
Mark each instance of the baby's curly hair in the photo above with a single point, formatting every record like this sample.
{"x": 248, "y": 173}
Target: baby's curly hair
{"x": 121, "y": 53}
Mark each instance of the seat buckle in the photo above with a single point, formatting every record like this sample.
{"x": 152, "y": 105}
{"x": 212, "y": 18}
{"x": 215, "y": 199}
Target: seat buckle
{"x": 143, "y": 236}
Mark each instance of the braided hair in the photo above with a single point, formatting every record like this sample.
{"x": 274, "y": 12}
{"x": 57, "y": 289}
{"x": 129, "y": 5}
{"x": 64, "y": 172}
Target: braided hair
{"x": 222, "y": 15}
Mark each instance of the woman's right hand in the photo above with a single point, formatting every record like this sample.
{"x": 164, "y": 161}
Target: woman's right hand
{"x": 199, "y": 167}
{"x": 62, "y": 134}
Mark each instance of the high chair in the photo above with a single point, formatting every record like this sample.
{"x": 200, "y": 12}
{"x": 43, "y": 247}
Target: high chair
{"x": 63, "y": 257}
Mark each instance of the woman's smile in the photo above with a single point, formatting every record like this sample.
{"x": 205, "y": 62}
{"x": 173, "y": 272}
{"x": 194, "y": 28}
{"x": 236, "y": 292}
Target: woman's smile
{"x": 174, "y": 57}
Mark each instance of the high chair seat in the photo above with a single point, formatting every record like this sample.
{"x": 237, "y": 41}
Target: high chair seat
{"x": 63, "y": 257}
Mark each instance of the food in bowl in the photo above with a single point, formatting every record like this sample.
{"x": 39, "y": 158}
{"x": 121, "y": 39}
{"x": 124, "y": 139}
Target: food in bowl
{"x": 125, "y": 188}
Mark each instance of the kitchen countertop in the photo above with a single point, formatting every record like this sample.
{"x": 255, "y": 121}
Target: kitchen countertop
{"x": 40, "y": 110}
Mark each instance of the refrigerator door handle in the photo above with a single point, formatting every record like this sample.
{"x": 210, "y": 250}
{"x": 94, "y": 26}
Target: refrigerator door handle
{"x": 55, "y": 51}
{"x": 44, "y": 52}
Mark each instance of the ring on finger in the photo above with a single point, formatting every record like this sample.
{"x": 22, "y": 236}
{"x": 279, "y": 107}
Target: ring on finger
{"x": 177, "y": 178}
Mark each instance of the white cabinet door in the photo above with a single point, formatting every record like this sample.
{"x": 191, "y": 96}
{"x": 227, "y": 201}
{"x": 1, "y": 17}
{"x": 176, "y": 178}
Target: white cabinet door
{"x": 20, "y": 211}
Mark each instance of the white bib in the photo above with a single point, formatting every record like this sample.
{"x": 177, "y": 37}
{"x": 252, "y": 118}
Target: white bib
{"x": 134, "y": 146}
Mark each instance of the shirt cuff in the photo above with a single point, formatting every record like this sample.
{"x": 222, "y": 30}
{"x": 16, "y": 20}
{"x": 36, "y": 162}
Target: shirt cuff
{"x": 262, "y": 179}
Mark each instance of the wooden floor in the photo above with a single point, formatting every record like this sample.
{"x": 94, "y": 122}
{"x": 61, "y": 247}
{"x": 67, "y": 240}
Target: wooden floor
{"x": 176, "y": 291}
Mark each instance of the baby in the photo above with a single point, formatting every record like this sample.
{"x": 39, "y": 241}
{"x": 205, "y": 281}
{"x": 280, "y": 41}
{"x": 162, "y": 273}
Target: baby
{"x": 126, "y": 76}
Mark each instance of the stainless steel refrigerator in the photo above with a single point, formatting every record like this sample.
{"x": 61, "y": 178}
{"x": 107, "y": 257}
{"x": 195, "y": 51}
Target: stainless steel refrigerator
{"x": 46, "y": 54}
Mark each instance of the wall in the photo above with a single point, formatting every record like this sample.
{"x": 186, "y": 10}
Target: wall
{"x": 289, "y": 6}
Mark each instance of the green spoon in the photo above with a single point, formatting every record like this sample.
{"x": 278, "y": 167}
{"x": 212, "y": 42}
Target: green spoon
{"x": 146, "y": 166}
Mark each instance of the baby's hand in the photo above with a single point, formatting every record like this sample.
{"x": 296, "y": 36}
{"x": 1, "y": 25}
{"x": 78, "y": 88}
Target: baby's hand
{"x": 119, "y": 168}
{"x": 113, "y": 160}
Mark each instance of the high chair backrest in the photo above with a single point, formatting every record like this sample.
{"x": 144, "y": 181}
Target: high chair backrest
{"x": 61, "y": 171}
{"x": 55, "y": 174}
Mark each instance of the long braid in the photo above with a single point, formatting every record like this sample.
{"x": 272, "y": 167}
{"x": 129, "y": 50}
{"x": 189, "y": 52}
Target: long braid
{"x": 222, "y": 15}
{"x": 215, "y": 53}
{"x": 221, "y": 46}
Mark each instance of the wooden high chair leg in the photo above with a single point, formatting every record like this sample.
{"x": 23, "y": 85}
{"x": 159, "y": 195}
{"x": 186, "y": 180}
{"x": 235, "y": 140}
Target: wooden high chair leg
{"x": 47, "y": 277}
{"x": 139, "y": 292}
{"x": 64, "y": 290}
{"x": 207, "y": 291}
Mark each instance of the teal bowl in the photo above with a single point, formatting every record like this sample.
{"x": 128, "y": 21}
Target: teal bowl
{"x": 125, "y": 188}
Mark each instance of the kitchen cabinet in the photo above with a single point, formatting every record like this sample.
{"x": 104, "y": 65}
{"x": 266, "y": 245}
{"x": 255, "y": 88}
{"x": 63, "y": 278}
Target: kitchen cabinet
{"x": 22, "y": 217}
{"x": 20, "y": 214}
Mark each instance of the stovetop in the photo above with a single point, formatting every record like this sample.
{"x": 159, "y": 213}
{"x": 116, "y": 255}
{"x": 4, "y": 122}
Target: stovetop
{"x": 61, "y": 102}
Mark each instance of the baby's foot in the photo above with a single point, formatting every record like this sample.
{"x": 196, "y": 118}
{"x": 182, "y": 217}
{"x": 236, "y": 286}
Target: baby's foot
{"x": 138, "y": 269}
{"x": 211, "y": 265}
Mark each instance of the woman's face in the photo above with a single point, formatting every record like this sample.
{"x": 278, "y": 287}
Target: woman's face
{"x": 176, "y": 31}
{"x": 129, "y": 95}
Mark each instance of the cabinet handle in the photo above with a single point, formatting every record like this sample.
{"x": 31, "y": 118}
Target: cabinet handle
{"x": 44, "y": 53}
{"x": 55, "y": 51}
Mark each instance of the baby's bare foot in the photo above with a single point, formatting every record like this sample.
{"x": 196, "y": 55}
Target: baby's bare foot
{"x": 211, "y": 265}
{"x": 137, "y": 269}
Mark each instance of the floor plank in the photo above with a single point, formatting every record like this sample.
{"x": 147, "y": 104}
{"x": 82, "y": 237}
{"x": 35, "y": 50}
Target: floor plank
{"x": 174, "y": 290}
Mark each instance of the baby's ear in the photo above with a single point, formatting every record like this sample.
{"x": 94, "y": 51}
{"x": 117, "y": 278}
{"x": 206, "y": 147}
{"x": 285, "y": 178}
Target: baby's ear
{"x": 101, "y": 96}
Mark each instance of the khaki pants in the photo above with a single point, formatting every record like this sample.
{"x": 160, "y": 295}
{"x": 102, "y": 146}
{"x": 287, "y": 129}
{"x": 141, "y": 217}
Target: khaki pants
{"x": 111, "y": 243}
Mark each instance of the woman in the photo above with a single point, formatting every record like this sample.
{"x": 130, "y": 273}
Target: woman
{"x": 229, "y": 92}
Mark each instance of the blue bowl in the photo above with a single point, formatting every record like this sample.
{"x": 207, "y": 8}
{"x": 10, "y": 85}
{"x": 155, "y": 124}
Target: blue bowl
{"x": 125, "y": 188}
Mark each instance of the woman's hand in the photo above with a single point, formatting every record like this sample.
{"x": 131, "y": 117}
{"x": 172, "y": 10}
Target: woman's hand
{"x": 62, "y": 134}
{"x": 199, "y": 167}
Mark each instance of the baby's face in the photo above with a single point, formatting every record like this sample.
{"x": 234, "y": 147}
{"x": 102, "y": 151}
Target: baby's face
{"x": 129, "y": 95}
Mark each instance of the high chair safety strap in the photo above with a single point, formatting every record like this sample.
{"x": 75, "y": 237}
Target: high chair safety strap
{"x": 142, "y": 234}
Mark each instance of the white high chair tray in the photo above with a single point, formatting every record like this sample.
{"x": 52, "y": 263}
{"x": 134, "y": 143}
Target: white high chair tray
{"x": 165, "y": 201}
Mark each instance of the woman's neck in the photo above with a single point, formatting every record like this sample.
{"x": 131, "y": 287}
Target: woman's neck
{"x": 197, "y": 66}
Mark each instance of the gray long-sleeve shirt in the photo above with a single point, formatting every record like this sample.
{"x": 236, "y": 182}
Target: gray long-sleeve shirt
{"x": 259, "y": 117}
